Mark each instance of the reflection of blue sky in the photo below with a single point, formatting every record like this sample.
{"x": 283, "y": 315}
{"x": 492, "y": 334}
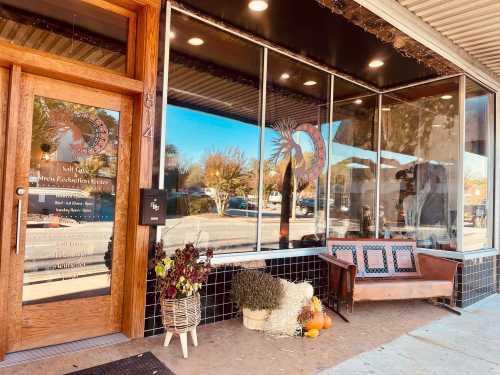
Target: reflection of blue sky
{"x": 475, "y": 166}
{"x": 194, "y": 133}
{"x": 114, "y": 114}
{"x": 341, "y": 152}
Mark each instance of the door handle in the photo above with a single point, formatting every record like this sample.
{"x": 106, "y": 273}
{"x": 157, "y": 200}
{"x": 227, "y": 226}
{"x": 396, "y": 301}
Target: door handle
{"x": 18, "y": 226}
{"x": 19, "y": 192}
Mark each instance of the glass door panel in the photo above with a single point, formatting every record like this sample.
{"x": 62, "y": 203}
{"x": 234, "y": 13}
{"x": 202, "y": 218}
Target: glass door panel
{"x": 71, "y": 201}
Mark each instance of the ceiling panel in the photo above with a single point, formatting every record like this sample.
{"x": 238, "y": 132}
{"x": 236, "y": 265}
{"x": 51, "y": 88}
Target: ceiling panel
{"x": 308, "y": 29}
{"x": 471, "y": 25}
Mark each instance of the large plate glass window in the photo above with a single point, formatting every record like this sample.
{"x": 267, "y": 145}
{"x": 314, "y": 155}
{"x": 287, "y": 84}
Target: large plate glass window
{"x": 212, "y": 138}
{"x": 477, "y": 167}
{"x": 353, "y": 162}
{"x": 295, "y": 155}
{"x": 419, "y": 164}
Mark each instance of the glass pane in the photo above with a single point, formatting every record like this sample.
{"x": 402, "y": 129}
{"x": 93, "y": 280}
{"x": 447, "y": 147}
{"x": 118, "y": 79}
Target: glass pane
{"x": 353, "y": 162}
{"x": 477, "y": 207}
{"x": 72, "y": 186}
{"x": 69, "y": 28}
{"x": 212, "y": 139}
{"x": 295, "y": 150}
{"x": 419, "y": 155}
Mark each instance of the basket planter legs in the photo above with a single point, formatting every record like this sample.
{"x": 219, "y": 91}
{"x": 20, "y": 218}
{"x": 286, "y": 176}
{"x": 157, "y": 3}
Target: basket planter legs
{"x": 181, "y": 316}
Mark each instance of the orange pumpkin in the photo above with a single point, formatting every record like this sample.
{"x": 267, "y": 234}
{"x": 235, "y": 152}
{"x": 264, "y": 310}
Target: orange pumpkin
{"x": 327, "y": 321}
{"x": 316, "y": 322}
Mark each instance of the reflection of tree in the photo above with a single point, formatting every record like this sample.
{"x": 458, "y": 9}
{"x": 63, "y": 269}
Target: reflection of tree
{"x": 93, "y": 164}
{"x": 177, "y": 171}
{"x": 52, "y": 117}
{"x": 44, "y": 135}
{"x": 228, "y": 174}
{"x": 272, "y": 177}
{"x": 409, "y": 124}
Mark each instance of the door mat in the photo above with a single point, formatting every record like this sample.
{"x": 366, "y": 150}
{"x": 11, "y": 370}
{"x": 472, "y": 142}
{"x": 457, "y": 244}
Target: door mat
{"x": 141, "y": 364}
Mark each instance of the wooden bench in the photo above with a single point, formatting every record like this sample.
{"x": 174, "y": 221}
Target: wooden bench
{"x": 378, "y": 270}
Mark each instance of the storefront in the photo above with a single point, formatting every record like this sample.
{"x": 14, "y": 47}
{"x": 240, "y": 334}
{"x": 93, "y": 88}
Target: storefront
{"x": 265, "y": 153}
{"x": 267, "y": 138}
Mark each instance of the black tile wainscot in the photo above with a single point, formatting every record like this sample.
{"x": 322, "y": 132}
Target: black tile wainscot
{"x": 215, "y": 295}
{"x": 476, "y": 280}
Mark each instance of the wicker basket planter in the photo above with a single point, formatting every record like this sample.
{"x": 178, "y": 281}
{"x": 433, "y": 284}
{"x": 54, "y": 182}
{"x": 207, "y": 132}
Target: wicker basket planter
{"x": 181, "y": 315}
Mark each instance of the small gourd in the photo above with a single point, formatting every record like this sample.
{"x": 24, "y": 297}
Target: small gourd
{"x": 312, "y": 333}
{"x": 316, "y": 322}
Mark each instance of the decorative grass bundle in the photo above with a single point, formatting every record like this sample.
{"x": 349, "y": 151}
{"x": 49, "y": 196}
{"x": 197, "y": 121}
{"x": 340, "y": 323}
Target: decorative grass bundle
{"x": 256, "y": 290}
{"x": 284, "y": 320}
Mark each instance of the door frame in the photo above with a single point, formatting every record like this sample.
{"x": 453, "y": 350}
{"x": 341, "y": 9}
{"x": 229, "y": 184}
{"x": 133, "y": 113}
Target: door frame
{"x": 67, "y": 320}
{"x": 142, "y": 87}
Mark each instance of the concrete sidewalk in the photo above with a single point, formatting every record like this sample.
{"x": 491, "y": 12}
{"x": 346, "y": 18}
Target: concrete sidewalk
{"x": 454, "y": 345}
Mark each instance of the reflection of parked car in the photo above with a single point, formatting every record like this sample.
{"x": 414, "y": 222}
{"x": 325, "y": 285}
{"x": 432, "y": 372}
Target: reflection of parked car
{"x": 241, "y": 204}
{"x": 479, "y": 216}
{"x": 307, "y": 205}
{"x": 275, "y": 197}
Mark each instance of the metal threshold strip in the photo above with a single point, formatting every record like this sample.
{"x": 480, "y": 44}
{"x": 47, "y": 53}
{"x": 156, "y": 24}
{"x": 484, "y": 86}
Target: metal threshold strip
{"x": 26, "y": 356}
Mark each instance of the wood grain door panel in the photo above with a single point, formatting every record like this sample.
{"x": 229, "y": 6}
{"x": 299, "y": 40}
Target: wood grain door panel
{"x": 51, "y": 320}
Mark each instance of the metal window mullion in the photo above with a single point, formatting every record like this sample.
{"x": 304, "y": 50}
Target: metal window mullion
{"x": 377, "y": 181}
{"x": 164, "y": 101}
{"x": 329, "y": 155}
{"x": 460, "y": 172}
{"x": 490, "y": 208}
{"x": 496, "y": 156}
{"x": 262, "y": 119}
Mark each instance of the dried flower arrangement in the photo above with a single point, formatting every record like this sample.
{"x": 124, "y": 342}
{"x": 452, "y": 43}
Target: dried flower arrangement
{"x": 181, "y": 274}
{"x": 256, "y": 290}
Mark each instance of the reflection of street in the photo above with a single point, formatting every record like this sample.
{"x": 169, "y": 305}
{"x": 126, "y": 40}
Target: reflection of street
{"x": 66, "y": 260}
{"x": 235, "y": 233}
{"x": 475, "y": 238}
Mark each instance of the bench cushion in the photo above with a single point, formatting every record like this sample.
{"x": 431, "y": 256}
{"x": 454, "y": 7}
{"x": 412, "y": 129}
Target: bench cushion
{"x": 377, "y": 290}
{"x": 377, "y": 258}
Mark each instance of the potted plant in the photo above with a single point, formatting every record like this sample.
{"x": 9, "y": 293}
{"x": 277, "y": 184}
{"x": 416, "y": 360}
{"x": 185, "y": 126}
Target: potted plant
{"x": 179, "y": 279}
{"x": 256, "y": 294}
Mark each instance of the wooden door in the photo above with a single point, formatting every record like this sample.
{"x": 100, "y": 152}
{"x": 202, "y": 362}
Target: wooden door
{"x": 67, "y": 260}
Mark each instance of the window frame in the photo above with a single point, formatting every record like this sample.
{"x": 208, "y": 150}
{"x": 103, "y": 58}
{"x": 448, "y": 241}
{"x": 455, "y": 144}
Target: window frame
{"x": 267, "y": 46}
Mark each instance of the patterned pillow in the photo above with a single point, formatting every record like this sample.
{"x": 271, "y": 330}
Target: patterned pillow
{"x": 404, "y": 262}
{"x": 375, "y": 258}
{"x": 345, "y": 252}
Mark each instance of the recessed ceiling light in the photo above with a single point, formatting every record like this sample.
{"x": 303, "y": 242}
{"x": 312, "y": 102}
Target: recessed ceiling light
{"x": 258, "y": 5}
{"x": 172, "y": 35}
{"x": 385, "y": 109}
{"x": 310, "y": 83}
{"x": 285, "y": 76}
{"x": 376, "y": 63}
{"x": 437, "y": 125}
{"x": 446, "y": 97}
{"x": 195, "y": 41}
{"x": 358, "y": 101}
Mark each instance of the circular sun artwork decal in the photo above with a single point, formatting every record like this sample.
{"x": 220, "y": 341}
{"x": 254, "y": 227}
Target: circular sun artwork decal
{"x": 286, "y": 147}
{"x": 96, "y": 136}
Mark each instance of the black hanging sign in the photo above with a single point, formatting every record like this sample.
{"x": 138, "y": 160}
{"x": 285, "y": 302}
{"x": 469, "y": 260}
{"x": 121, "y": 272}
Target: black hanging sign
{"x": 153, "y": 207}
